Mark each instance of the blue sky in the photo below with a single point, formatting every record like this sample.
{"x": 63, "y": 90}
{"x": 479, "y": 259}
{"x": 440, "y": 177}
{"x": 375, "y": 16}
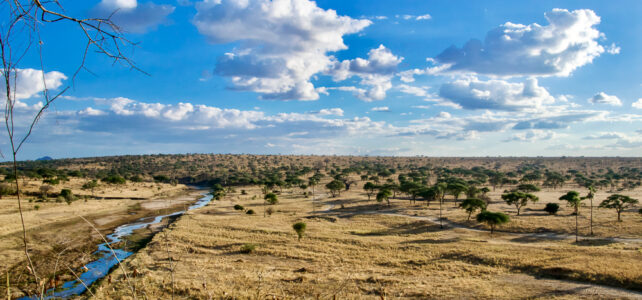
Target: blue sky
{"x": 437, "y": 78}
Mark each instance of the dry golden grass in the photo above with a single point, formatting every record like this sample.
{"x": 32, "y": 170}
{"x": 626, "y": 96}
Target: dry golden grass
{"x": 54, "y": 227}
{"x": 352, "y": 255}
{"x": 534, "y": 219}
{"x": 136, "y": 190}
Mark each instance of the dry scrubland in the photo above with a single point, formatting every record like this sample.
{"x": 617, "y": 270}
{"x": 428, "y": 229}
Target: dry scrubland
{"x": 353, "y": 247}
{"x": 55, "y": 231}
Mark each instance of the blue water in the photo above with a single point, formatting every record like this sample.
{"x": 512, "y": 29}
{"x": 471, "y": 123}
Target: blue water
{"x": 100, "y": 268}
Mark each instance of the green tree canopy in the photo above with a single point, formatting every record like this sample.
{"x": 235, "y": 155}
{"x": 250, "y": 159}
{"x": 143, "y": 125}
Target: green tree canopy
{"x": 492, "y": 219}
{"x": 472, "y": 204}
{"x": 519, "y": 199}
{"x": 619, "y": 203}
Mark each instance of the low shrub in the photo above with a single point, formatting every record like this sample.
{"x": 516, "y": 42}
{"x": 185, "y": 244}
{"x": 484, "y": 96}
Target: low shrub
{"x": 552, "y": 208}
{"x": 248, "y": 248}
{"x": 238, "y": 207}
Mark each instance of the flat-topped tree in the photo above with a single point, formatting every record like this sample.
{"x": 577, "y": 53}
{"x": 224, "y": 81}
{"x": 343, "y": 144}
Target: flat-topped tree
{"x": 456, "y": 189}
{"x": 335, "y": 187}
{"x": 472, "y": 204}
{"x": 428, "y": 194}
{"x": 519, "y": 199}
{"x": 370, "y": 188}
{"x": 619, "y": 203}
{"x": 384, "y": 195}
{"x": 492, "y": 219}
{"x": 528, "y": 188}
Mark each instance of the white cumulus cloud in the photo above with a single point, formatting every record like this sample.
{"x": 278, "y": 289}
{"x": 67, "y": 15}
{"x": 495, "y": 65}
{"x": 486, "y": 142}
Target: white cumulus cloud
{"x": 131, "y": 16}
{"x": 603, "y": 98}
{"x": 283, "y": 43}
{"x": 381, "y": 108}
{"x": 27, "y": 83}
{"x": 569, "y": 41}
{"x": 472, "y": 93}
{"x": 376, "y": 72}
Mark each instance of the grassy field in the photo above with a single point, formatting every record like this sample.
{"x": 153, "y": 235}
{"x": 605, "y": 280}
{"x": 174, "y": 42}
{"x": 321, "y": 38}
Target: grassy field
{"x": 57, "y": 234}
{"x": 353, "y": 249}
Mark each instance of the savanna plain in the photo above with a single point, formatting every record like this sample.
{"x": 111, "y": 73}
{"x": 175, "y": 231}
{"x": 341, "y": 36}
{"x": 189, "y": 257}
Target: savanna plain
{"x": 329, "y": 227}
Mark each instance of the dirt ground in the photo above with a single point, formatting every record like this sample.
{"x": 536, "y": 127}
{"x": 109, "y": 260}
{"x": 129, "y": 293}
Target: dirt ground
{"x": 359, "y": 249}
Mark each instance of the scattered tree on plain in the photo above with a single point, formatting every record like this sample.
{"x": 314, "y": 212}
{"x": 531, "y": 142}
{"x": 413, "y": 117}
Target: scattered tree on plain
{"x": 335, "y": 187}
{"x": 471, "y": 205}
{"x": 519, "y": 199}
{"x": 299, "y": 228}
{"x": 492, "y": 219}
{"x": 619, "y": 203}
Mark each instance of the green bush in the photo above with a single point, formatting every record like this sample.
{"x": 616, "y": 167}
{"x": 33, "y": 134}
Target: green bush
{"x": 248, "y": 248}
{"x": 114, "y": 179}
{"x": 238, "y": 207}
{"x": 551, "y": 208}
{"x": 67, "y": 194}
{"x": 36, "y": 207}
{"x": 299, "y": 228}
{"x": 271, "y": 198}
{"x": 250, "y": 212}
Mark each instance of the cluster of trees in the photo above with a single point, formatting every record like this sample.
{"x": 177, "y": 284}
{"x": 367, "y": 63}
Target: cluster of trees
{"x": 477, "y": 200}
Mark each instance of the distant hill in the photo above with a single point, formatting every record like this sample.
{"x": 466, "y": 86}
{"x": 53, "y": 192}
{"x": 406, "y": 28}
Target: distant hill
{"x": 44, "y": 158}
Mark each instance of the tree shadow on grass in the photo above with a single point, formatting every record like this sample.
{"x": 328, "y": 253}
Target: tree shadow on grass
{"x": 402, "y": 229}
{"x": 594, "y": 242}
{"x": 527, "y": 239}
{"x": 433, "y": 241}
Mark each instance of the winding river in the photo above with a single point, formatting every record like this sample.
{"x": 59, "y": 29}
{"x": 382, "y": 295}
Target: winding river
{"x": 106, "y": 260}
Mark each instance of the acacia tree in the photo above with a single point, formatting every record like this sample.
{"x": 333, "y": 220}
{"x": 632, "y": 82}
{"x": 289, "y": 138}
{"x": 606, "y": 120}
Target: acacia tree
{"x": 519, "y": 199}
{"x": 573, "y": 199}
{"x": 428, "y": 194}
{"x": 384, "y": 195}
{"x": 21, "y": 25}
{"x": 619, "y": 203}
{"x": 370, "y": 188}
{"x": 492, "y": 219}
{"x": 90, "y": 185}
{"x": 471, "y": 205}
{"x": 335, "y": 187}
{"x": 456, "y": 189}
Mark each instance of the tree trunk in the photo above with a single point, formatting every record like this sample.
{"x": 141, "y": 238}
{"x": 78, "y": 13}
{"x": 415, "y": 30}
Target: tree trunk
{"x": 591, "y": 216}
{"x": 441, "y": 225}
{"x": 576, "y": 229}
{"x": 618, "y": 216}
